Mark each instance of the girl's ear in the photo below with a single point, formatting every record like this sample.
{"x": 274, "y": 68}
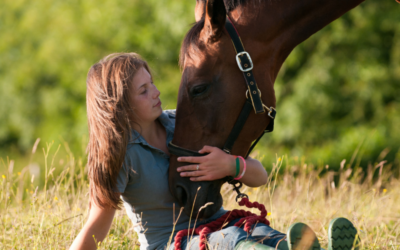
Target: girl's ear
{"x": 214, "y": 20}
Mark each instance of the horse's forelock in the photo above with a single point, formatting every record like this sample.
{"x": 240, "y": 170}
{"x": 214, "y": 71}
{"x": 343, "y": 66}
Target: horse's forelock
{"x": 192, "y": 39}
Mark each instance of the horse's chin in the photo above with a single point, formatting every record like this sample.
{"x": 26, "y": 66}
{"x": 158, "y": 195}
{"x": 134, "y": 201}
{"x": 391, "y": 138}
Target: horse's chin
{"x": 204, "y": 210}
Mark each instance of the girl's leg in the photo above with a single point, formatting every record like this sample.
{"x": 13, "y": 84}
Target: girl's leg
{"x": 267, "y": 235}
{"x": 225, "y": 239}
{"x": 232, "y": 237}
{"x": 300, "y": 236}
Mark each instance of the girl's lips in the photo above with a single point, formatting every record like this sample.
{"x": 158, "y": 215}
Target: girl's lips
{"x": 158, "y": 104}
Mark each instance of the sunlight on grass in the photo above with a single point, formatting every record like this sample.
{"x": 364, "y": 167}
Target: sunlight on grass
{"x": 51, "y": 217}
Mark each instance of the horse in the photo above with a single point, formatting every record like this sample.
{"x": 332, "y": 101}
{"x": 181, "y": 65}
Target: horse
{"x": 213, "y": 88}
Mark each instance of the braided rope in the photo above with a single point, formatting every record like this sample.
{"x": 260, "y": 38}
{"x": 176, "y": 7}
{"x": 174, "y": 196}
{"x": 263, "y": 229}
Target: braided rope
{"x": 248, "y": 218}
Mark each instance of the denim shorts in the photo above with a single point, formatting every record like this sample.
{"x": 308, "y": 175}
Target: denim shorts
{"x": 228, "y": 237}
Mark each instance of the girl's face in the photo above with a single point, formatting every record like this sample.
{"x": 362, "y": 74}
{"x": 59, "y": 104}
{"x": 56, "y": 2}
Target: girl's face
{"x": 145, "y": 97}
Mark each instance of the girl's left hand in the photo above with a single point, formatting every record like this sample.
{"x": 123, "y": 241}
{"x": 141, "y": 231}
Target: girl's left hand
{"x": 216, "y": 165}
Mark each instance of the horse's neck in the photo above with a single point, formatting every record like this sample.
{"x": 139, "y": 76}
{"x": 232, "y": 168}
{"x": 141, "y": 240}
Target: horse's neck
{"x": 282, "y": 25}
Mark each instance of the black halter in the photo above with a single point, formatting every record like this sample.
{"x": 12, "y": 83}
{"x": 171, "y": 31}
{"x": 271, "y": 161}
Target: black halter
{"x": 253, "y": 100}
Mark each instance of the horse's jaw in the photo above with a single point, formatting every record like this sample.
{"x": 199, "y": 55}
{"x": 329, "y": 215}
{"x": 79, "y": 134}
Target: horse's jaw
{"x": 200, "y": 200}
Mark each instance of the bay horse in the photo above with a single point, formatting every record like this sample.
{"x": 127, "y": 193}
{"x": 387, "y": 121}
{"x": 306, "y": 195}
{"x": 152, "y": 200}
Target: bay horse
{"x": 212, "y": 91}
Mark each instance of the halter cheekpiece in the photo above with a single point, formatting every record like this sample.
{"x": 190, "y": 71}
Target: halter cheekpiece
{"x": 253, "y": 101}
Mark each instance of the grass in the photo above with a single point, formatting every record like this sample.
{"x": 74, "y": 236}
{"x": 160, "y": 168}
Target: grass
{"x": 50, "y": 214}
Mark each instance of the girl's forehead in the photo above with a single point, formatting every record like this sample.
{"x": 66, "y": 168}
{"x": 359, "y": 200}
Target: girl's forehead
{"x": 141, "y": 77}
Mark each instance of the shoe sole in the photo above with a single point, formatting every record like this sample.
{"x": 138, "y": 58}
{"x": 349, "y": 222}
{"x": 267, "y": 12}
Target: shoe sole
{"x": 342, "y": 235}
{"x": 302, "y": 237}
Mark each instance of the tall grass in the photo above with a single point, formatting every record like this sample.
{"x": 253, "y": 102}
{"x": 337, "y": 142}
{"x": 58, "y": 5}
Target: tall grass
{"x": 50, "y": 214}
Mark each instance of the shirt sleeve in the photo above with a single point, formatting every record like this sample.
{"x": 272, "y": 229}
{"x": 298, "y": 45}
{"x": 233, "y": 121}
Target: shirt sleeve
{"x": 123, "y": 177}
{"x": 122, "y": 180}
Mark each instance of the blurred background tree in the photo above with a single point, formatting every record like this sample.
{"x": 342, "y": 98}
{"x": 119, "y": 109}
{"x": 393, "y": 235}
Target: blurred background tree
{"x": 338, "y": 92}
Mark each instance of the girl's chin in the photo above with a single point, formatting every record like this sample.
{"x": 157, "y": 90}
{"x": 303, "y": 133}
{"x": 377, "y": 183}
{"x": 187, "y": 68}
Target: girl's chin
{"x": 158, "y": 111}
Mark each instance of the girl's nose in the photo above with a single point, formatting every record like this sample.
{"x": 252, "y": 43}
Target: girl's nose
{"x": 156, "y": 92}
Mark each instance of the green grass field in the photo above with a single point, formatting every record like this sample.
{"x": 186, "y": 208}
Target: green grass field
{"x": 49, "y": 214}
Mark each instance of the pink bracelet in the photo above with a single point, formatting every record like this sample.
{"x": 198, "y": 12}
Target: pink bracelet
{"x": 244, "y": 168}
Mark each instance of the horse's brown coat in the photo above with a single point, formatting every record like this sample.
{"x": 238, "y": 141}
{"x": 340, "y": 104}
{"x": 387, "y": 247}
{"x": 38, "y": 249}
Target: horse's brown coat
{"x": 270, "y": 30}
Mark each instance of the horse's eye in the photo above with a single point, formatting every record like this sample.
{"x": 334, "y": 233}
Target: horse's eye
{"x": 198, "y": 90}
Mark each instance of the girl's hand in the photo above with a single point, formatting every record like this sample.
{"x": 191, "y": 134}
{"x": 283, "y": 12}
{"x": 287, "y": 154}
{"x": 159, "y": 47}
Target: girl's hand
{"x": 216, "y": 165}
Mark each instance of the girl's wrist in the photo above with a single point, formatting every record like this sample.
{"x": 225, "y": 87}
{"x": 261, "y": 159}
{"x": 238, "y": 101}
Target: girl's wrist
{"x": 242, "y": 171}
{"x": 232, "y": 166}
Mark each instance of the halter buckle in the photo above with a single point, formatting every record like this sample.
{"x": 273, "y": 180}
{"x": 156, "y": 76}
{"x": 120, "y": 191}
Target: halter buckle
{"x": 248, "y": 67}
{"x": 226, "y": 151}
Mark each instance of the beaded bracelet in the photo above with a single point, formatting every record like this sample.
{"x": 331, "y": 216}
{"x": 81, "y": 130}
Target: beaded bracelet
{"x": 244, "y": 168}
{"x": 237, "y": 166}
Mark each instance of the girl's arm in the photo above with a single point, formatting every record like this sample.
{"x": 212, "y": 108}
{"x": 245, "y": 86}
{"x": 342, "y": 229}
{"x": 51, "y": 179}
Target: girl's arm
{"x": 97, "y": 226}
{"x": 217, "y": 164}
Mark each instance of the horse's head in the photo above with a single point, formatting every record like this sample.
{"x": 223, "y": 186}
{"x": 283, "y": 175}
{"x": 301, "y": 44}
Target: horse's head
{"x": 211, "y": 95}
{"x": 212, "y": 90}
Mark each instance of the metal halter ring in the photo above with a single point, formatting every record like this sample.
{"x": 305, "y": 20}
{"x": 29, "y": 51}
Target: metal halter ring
{"x": 247, "y": 93}
{"x": 270, "y": 110}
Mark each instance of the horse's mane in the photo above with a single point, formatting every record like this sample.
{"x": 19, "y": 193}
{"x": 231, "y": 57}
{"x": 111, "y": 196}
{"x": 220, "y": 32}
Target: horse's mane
{"x": 232, "y": 4}
{"x": 192, "y": 37}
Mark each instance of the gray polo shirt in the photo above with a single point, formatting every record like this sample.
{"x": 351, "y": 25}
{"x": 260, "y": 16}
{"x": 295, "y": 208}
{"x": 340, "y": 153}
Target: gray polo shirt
{"x": 143, "y": 183}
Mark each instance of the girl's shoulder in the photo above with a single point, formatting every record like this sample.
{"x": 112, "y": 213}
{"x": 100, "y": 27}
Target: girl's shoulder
{"x": 170, "y": 112}
{"x": 167, "y": 119}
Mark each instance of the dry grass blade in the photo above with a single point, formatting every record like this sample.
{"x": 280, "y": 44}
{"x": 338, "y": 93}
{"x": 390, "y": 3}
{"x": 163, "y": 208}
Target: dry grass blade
{"x": 294, "y": 193}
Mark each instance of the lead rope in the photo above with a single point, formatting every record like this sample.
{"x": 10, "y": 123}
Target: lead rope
{"x": 248, "y": 219}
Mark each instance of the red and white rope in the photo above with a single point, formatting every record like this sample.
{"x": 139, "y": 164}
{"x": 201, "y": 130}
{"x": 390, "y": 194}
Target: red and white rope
{"x": 247, "y": 218}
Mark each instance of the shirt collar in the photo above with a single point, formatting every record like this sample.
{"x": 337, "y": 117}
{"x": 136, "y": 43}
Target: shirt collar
{"x": 165, "y": 121}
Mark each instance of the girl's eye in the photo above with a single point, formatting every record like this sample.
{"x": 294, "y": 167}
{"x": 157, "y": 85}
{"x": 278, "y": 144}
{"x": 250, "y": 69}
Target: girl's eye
{"x": 144, "y": 92}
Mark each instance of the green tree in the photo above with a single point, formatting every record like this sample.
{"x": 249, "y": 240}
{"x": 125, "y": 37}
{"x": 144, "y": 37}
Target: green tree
{"x": 47, "y": 47}
{"x": 338, "y": 91}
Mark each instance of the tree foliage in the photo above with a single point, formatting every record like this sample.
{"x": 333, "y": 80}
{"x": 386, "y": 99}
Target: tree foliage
{"x": 47, "y": 47}
{"x": 337, "y": 92}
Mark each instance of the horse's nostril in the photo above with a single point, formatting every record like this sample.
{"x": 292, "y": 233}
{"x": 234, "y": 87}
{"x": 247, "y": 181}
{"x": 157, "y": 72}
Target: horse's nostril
{"x": 181, "y": 195}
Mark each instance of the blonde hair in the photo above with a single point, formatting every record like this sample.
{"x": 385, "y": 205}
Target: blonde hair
{"x": 110, "y": 118}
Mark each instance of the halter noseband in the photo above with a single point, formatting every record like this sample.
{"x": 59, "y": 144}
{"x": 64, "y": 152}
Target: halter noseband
{"x": 245, "y": 65}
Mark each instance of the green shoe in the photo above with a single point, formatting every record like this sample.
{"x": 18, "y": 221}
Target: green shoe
{"x": 245, "y": 245}
{"x": 342, "y": 235}
{"x": 302, "y": 237}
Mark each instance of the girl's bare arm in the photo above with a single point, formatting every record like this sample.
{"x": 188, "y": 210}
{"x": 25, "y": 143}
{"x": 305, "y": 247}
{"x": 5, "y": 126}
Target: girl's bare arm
{"x": 96, "y": 227}
{"x": 218, "y": 164}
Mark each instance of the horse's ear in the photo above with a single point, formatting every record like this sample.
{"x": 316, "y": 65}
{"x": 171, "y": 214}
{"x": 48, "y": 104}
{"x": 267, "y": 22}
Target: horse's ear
{"x": 214, "y": 20}
{"x": 199, "y": 9}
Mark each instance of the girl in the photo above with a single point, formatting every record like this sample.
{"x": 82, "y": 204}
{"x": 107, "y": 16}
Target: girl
{"x": 128, "y": 159}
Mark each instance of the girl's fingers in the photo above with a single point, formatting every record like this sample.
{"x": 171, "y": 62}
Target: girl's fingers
{"x": 200, "y": 178}
{"x": 192, "y": 174}
{"x": 191, "y": 159}
{"x": 206, "y": 149}
{"x": 203, "y": 178}
{"x": 189, "y": 168}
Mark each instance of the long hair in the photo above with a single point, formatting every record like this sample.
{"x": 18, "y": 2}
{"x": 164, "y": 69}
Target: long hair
{"x": 110, "y": 118}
